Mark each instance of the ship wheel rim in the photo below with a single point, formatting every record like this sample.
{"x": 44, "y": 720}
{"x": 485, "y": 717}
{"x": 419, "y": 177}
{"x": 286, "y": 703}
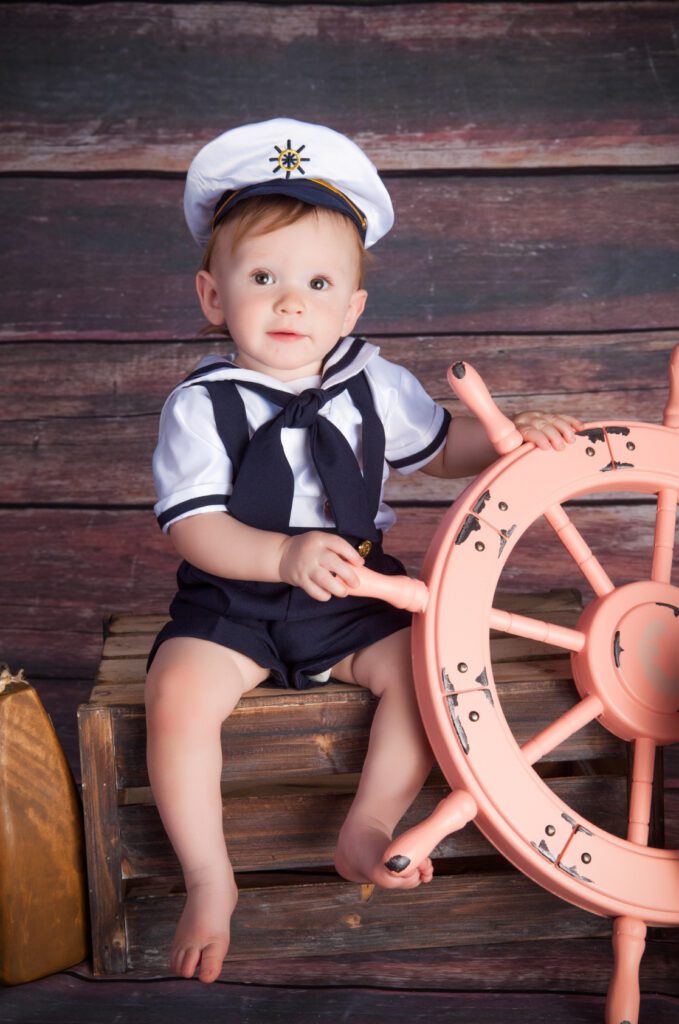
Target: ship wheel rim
{"x": 434, "y": 640}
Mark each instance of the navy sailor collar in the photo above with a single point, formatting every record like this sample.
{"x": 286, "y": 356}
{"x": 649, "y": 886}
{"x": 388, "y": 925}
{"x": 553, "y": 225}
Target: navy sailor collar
{"x": 349, "y": 356}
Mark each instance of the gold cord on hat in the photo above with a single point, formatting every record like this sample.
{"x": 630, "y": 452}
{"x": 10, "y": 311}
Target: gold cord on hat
{"x": 318, "y": 181}
{"x": 222, "y": 206}
{"x": 326, "y": 184}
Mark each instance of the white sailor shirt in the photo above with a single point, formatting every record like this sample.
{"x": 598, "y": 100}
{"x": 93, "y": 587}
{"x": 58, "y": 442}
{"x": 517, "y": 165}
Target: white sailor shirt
{"x": 193, "y": 472}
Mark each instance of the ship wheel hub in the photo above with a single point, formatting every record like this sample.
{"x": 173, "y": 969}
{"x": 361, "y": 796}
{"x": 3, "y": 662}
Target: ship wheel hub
{"x": 630, "y": 660}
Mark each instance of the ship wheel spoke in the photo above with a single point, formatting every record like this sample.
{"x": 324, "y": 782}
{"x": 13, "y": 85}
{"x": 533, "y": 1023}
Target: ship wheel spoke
{"x": 663, "y": 541}
{"x": 641, "y": 791}
{"x": 574, "y": 543}
{"x": 536, "y": 629}
{"x": 629, "y": 933}
{"x": 576, "y": 718}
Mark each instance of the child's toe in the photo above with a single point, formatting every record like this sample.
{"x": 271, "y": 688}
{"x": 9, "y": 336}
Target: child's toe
{"x": 427, "y": 870}
{"x": 211, "y": 961}
{"x": 189, "y": 962}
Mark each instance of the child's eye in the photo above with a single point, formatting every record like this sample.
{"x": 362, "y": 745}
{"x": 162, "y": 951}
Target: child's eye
{"x": 319, "y": 284}
{"x": 262, "y": 277}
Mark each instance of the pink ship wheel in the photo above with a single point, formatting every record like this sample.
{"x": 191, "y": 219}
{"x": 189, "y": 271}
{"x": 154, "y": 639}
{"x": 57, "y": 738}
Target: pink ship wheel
{"x": 625, "y": 662}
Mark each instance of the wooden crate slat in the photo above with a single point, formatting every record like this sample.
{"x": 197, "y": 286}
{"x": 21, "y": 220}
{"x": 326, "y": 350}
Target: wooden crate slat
{"x": 102, "y": 839}
{"x": 289, "y": 830}
{"x": 340, "y": 917}
{"x": 579, "y": 965}
{"x": 474, "y": 254}
{"x": 159, "y": 73}
{"x": 124, "y": 685}
{"x": 295, "y": 737}
{"x": 504, "y": 648}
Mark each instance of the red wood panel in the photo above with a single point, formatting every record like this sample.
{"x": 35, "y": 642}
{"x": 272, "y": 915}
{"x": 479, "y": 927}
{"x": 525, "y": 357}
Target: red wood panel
{"x": 112, "y": 258}
{"x": 79, "y": 421}
{"x": 137, "y": 86}
{"x": 64, "y": 570}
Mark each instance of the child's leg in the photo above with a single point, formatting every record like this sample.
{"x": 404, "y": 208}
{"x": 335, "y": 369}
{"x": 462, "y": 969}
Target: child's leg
{"x": 192, "y": 686}
{"x": 396, "y": 766}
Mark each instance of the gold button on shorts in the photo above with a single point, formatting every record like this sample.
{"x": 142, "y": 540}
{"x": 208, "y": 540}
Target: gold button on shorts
{"x": 364, "y": 548}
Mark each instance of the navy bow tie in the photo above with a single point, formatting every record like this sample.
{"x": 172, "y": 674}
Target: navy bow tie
{"x": 264, "y": 486}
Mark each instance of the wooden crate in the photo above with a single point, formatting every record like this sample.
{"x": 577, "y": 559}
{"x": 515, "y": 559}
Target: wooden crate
{"x": 290, "y": 767}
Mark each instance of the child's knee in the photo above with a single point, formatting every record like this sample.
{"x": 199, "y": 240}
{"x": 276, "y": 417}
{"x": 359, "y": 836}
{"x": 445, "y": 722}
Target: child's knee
{"x": 182, "y": 692}
{"x": 386, "y": 665}
{"x": 167, "y": 695}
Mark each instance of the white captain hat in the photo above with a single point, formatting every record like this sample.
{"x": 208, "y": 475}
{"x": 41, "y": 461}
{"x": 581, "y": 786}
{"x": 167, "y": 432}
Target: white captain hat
{"x": 287, "y": 157}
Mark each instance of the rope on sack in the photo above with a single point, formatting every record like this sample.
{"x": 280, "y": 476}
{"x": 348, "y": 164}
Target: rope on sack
{"x": 7, "y": 678}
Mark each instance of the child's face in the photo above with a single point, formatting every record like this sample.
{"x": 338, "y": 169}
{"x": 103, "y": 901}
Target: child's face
{"x": 286, "y": 296}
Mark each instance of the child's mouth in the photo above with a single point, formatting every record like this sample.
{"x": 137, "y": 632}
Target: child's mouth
{"x": 285, "y": 335}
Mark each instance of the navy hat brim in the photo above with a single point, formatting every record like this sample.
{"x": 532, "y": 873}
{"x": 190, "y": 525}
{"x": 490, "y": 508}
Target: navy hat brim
{"x": 312, "y": 191}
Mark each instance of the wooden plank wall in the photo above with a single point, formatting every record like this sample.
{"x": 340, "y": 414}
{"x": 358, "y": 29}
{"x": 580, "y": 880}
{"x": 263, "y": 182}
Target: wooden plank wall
{"x": 531, "y": 150}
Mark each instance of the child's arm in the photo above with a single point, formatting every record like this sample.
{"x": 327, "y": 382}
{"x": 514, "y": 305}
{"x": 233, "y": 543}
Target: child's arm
{"x": 468, "y": 451}
{"x": 317, "y": 562}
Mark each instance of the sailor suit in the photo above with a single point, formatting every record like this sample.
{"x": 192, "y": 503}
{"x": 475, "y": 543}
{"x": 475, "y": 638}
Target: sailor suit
{"x": 293, "y": 456}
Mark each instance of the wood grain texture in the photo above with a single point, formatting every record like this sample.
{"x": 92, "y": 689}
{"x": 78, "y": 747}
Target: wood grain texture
{"x": 69, "y": 409}
{"x": 579, "y": 252}
{"x": 580, "y": 965}
{"x": 104, "y": 875}
{"x": 338, "y": 917}
{"x": 292, "y": 738}
{"x": 154, "y": 998}
{"x": 432, "y": 91}
{"x": 291, "y": 830}
{"x": 271, "y": 742}
{"x": 441, "y": 85}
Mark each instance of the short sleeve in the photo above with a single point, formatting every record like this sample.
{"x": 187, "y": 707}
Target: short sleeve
{"x": 415, "y": 426}
{"x": 191, "y": 470}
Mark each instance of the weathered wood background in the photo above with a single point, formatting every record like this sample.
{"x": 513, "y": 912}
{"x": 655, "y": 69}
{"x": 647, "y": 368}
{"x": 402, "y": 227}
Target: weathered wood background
{"x": 530, "y": 150}
{"x": 532, "y": 153}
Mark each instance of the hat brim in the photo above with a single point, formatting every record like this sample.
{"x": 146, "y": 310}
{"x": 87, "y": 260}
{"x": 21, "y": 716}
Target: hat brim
{"x": 312, "y": 191}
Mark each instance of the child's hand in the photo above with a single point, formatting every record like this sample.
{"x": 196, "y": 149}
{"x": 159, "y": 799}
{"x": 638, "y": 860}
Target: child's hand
{"x": 319, "y": 563}
{"x": 546, "y": 428}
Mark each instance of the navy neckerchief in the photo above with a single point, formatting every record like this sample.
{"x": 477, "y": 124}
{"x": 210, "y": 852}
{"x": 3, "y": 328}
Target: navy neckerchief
{"x": 263, "y": 487}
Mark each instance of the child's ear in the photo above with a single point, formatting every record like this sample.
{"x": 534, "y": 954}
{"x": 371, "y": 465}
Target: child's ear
{"x": 209, "y": 297}
{"x": 356, "y": 306}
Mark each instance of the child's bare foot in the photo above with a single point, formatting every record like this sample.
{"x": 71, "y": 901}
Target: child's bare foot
{"x": 203, "y": 933}
{"x": 359, "y": 857}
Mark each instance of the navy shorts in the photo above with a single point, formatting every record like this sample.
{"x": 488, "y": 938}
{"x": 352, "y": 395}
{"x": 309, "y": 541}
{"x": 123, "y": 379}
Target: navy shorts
{"x": 279, "y": 626}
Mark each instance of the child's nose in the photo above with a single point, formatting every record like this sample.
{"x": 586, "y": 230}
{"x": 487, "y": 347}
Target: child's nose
{"x": 290, "y": 301}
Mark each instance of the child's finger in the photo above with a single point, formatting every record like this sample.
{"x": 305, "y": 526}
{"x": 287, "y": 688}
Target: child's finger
{"x": 342, "y": 570}
{"x": 316, "y": 592}
{"x": 553, "y": 435}
{"x": 343, "y": 548}
{"x": 564, "y": 426}
{"x": 535, "y": 435}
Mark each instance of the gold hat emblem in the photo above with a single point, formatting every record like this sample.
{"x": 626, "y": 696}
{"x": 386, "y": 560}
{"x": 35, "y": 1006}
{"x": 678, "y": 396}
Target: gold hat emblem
{"x": 289, "y": 159}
